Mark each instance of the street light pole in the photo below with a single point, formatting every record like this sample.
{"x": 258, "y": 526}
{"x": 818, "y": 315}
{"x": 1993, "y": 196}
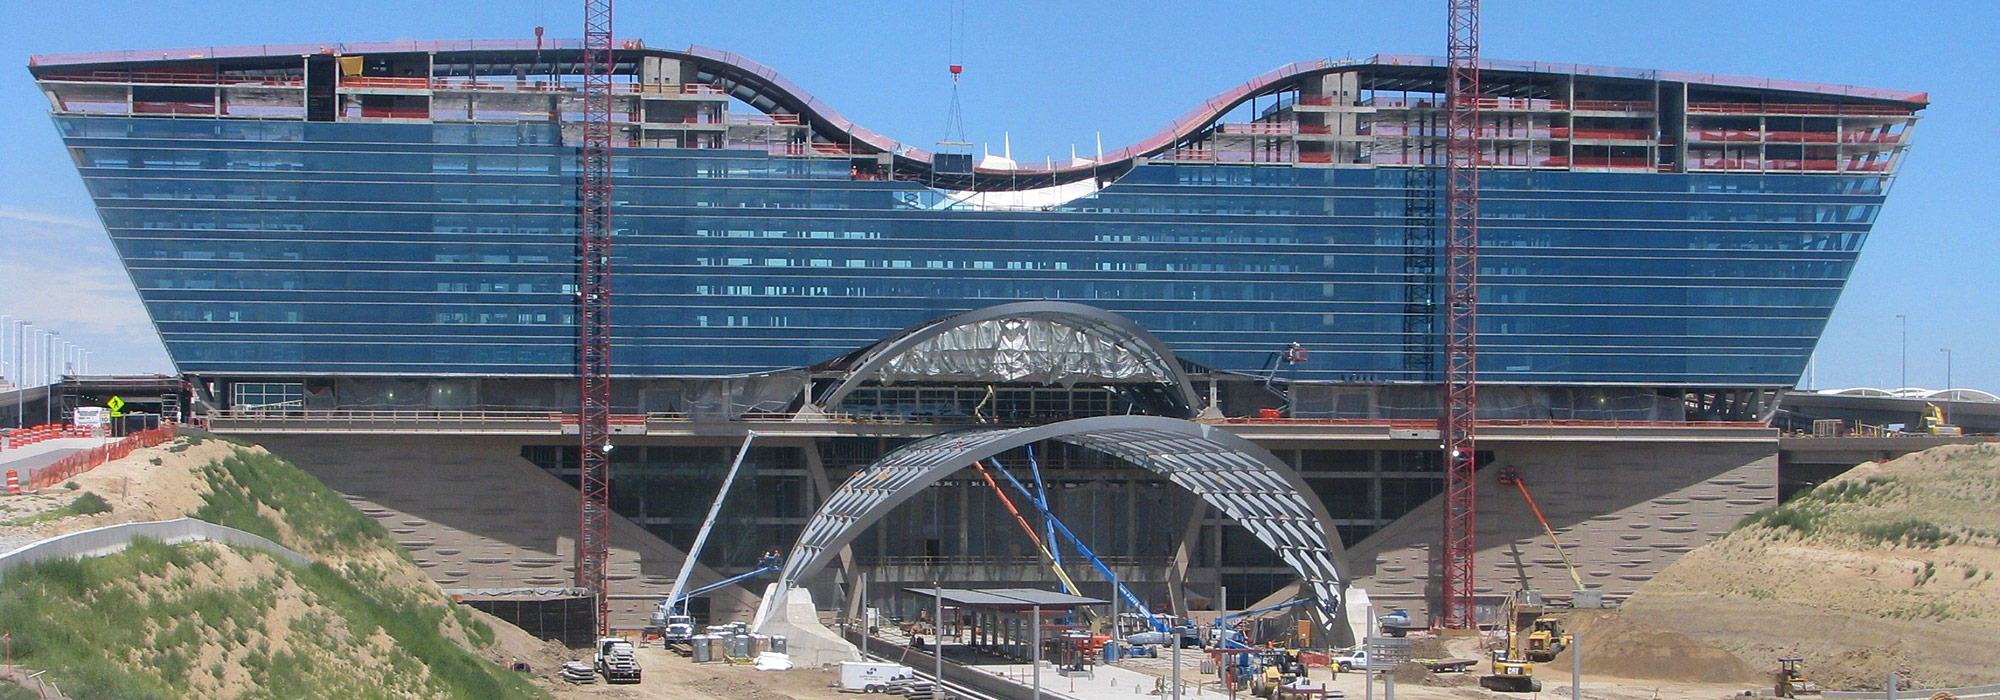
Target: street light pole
{"x": 6, "y": 363}
{"x": 21, "y": 370}
{"x": 1904, "y": 323}
{"x": 48, "y": 400}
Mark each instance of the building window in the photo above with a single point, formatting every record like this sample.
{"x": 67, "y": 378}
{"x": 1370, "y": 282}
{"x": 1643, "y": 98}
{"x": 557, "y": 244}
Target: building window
{"x": 269, "y": 396}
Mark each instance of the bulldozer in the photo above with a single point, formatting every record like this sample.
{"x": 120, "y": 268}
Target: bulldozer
{"x": 1792, "y": 682}
{"x": 1546, "y": 640}
{"x": 1513, "y": 669}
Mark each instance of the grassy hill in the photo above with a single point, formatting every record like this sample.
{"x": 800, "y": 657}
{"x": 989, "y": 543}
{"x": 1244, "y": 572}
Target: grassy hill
{"x": 204, "y": 620}
{"x": 1888, "y": 567}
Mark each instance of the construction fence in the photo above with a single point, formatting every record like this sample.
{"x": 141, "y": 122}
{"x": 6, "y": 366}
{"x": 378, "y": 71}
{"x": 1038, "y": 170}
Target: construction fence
{"x": 87, "y": 460}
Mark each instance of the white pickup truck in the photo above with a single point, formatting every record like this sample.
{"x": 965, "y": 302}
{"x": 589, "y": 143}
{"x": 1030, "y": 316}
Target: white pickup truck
{"x": 616, "y": 661}
{"x": 1350, "y": 660}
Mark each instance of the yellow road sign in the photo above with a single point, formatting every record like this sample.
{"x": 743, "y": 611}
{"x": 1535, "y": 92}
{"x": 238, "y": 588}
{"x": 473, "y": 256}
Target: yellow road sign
{"x": 114, "y": 404}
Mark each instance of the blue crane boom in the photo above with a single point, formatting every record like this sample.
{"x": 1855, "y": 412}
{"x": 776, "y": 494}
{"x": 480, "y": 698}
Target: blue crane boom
{"x": 1081, "y": 548}
{"x": 677, "y": 605}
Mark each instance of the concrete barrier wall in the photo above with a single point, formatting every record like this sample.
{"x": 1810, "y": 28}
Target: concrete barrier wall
{"x": 1977, "y": 691}
{"x": 113, "y": 539}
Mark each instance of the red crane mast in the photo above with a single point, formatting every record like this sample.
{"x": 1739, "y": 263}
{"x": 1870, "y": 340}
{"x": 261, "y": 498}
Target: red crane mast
{"x": 1461, "y": 345}
{"x": 593, "y": 271}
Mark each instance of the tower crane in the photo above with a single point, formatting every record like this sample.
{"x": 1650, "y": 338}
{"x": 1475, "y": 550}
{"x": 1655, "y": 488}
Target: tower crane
{"x": 593, "y": 318}
{"x": 1461, "y": 343}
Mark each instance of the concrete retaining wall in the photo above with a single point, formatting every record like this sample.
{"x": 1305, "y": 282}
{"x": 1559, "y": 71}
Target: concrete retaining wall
{"x": 1977, "y": 691}
{"x": 114, "y": 538}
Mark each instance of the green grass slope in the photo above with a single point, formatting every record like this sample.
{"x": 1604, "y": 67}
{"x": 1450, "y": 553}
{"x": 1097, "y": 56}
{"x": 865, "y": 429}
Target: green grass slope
{"x": 208, "y": 621}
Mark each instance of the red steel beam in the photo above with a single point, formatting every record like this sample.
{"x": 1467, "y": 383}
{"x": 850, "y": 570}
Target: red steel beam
{"x": 1461, "y": 346}
{"x": 593, "y": 545}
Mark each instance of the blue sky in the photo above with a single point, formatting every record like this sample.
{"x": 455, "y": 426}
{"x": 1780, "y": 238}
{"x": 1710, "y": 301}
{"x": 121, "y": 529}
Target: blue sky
{"x": 1057, "y": 74}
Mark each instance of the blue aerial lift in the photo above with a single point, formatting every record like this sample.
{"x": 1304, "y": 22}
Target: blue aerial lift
{"x": 1162, "y": 633}
{"x": 671, "y": 617}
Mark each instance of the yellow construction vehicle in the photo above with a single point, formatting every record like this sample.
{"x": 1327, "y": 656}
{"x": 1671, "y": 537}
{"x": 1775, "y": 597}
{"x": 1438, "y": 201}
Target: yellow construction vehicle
{"x": 1513, "y": 671}
{"x": 1547, "y": 640}
{"x": 1934, "y": 422}
{"x": 1792, "y": 681}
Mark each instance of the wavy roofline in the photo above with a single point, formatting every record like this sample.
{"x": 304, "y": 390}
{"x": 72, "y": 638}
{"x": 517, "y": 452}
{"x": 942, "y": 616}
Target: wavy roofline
{"x": 765, "y": 89}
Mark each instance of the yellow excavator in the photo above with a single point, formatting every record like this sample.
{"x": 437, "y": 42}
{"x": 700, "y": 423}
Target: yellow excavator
{"x": 1513, "y": 670}
{"x": 1934, "y": 422}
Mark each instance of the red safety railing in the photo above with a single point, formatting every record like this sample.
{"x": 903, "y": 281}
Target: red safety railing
{"x": 1432, "y": 424}
{"x": 1316, "y": 100}
{"x": 1737, "y": 135}
{"x": 1591, "y": 162}
{"x": 390, "y": 112}
{"x": 1627, "y": 106}
{"x": 1797, "y": 109}
{"x": 1870, "y": 137}
{"x": 175, "y": 79}
{"x": 80, "y": 462}
{"x": 1786, "y": 165}
{"x": 1187, "y": 154}
{"x": 203, "y": 108}
{"x": 1311, "y": 157}
{"x": 1563, "y": 132}
{"x": 378, "y": 81}
{"x": 1257, "y": 128}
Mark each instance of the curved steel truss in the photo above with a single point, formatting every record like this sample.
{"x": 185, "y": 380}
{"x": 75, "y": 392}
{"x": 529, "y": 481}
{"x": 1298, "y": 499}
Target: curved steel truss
{"x": 1052, "y": 341}
{"x": 1244, "y": 481}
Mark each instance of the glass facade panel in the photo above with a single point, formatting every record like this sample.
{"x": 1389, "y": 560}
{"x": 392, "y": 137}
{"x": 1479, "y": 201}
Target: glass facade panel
{"x": 366, "y": 248}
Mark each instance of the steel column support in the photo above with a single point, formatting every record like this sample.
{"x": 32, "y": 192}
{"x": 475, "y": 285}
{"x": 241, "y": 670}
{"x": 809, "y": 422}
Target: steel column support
{"x": 1461, "y": 311}
{"x": 593, "y": 546}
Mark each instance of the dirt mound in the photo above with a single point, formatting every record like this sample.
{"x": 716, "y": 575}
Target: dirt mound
{"x": 1614, "y": 646}
{"x": 1429, "y": 648}
{"x": 1885, "y": 568}
{"x": 1411, "y": 672}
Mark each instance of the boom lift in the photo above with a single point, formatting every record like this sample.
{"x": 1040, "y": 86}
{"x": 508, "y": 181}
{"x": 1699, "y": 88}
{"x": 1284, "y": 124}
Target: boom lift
{"x": 1547, "y": 638}
{"x": 1165, "y": 632}
{"x": 672, "y": 612}
{"x": 1047, "y": 553}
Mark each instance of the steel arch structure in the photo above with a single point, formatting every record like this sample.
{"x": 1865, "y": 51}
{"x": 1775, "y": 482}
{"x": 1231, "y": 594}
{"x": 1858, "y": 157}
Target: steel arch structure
{"x": 870, "y": 362}
{"x": 1244, "y": 481}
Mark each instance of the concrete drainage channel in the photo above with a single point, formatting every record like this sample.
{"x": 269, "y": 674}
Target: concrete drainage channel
{"x": 959, "y": 681}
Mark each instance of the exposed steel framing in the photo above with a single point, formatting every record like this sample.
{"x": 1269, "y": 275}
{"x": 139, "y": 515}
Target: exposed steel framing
{"x": 1461, "y": 345}
{"x": 593, "y": 546}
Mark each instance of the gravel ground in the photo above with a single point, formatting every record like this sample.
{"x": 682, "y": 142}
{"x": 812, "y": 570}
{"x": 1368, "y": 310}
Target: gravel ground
{"x": 9, "y": 544}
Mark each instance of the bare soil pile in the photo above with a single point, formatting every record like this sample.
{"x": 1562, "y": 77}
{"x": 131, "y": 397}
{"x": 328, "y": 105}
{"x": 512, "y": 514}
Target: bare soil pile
{"x": 1614, "y": 646}
{"x": 1885, "y": 568}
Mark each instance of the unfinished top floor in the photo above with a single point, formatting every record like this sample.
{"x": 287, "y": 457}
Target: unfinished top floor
{"x": 1380, "y": 111}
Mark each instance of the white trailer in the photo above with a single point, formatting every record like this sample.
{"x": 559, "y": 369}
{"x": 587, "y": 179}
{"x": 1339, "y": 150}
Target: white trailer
{"x": 871, "y": 676}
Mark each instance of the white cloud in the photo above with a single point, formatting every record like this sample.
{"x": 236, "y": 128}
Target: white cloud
{"x": 61, "y": 273}
{"x": 36, "y": 217}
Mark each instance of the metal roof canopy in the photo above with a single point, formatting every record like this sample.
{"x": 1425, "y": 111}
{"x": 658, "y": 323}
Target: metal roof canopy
{"x": 1246, "y": 482}
{"x": 1119, "y": 331}
{"x": 1007, "y": 598}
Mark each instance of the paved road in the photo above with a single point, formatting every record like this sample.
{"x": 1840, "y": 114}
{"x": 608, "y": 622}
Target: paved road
{"x": 27, "y": 459}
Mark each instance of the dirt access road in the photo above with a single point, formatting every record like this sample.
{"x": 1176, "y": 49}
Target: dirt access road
{"x": 671, "y": 676}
